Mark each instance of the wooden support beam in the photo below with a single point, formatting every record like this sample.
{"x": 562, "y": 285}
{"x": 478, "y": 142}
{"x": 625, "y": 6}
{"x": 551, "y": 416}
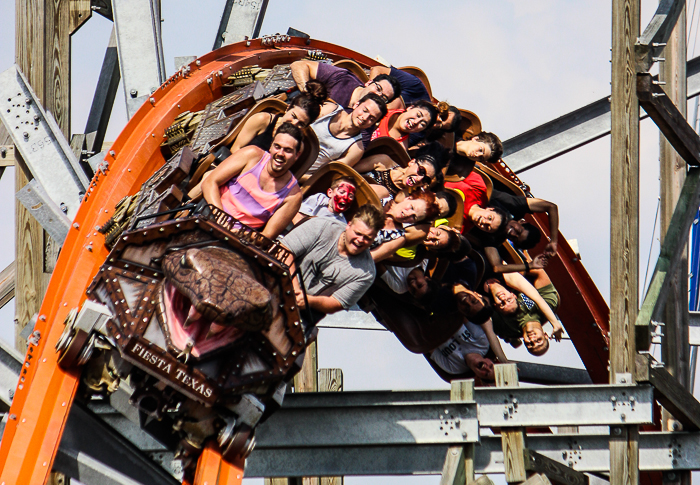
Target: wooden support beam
{"x": 7, "y": 284}
{"x": 624, "y": 225}
{"x": 459, "y": 460}
{"x": 670, "y": 393}
{"x": 670, "y": 256}
{"x": 80, "y": 12}
{"x": 512, "y": 440}
{"x": 42, "y": 52}
{"x": 668, "y": 118}
{"x": 7, "y": 155}
{"x": 330, "y": 380}
{"x": 556, "y": 472}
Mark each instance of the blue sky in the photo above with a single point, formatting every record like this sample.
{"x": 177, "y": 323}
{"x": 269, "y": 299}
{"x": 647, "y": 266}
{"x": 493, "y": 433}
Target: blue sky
{"x": 515, "y": 63}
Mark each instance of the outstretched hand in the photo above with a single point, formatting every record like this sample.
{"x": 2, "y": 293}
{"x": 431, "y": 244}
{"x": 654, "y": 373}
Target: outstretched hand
{"x": 301, "y": 303}
{"x": 551, "y": 249}
{"x": 540, "y": 261}
{"x": 558, "y": 332}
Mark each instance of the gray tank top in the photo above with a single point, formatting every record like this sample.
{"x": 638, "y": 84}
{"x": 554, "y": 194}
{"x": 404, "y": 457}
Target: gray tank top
{"x": 331, "y": 148}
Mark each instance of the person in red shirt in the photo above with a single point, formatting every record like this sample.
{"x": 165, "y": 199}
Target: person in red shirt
{"x": 476, "y": 213}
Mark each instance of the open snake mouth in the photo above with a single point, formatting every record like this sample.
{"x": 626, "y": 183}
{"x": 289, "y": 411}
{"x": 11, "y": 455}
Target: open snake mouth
{"x": 192, "y": 330}
{"x": 210, "y": 298}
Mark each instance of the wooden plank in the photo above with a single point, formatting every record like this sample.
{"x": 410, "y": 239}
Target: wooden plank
{"x": 670, "y": 393}
{"x": 307, "y": 381}
{"x": 7, "y": 284}
{"x": 675, "y": 350}
{"x": 669, "y": 119}
{"x": 80, "y": 12}
{"x": 555, "y": 471}
{"x": 670, "y": 257}
{"x": 512, "y": 440}
{"x": 330, "y": 380}
{"x": 7, "y": 155}
{"x": 459, "y": 460}
{"x": 624, "y": 223}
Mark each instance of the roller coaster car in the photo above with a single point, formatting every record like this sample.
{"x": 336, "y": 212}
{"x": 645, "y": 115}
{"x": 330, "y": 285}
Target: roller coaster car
{"x": 193, "y": 314}
{"x": 196, "y": 318}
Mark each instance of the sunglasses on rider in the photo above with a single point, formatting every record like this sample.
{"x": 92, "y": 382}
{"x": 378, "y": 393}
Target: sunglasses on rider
{"x": 423, "y": 173}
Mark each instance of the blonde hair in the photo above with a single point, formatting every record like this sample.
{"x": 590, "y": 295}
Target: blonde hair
{"x": 370, "y": 215}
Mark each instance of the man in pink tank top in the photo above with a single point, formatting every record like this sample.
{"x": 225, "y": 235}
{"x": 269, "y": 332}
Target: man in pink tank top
{"x": 256, "y": 187}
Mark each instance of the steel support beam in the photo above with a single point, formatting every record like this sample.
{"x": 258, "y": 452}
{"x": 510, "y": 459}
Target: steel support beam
{"x": 670, "y": 393}
{"x": 140, "y": 49}
{"x": 669, "y": 119}
{"x": 653, "y": 40}
{"x": 105, "y": 92}
{"x": 583, "y": 453}
{"x": 573, "y": 130}
{"x": 669, "y": 256}
{"x": 240, "y": 20}
{"x": 43, "y": 147}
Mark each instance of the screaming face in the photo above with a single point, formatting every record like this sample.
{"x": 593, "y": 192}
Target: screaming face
{"x": 342, "y": 197}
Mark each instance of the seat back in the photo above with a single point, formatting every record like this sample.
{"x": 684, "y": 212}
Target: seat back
{"x": 308, "y": 155}
{"x": 487, "y": 181}
{"x": 418, "y": 72}
{"x": 386, "y": 145}
{"x": 457, "y": 219}
{"x": 268, "y": 105}
{"x": 324, "y": 177}
{"x": 513, "y": 188}
{"x": 470, "y": 125}
{"x": 354, "y": 68}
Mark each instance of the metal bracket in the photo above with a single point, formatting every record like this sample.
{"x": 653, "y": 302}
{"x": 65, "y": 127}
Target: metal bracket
{"x": 44, "y": 210}
{"x": 43, "y": 147}
{"x": 140, "y": 49}
{"x": 239, "y": 21}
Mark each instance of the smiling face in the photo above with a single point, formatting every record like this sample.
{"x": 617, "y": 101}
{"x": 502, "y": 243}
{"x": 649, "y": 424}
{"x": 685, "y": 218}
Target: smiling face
{"x": 475, "y": 150}
{"x": 536, "y": 341}
{"x": 296, "y": 116}
{"x": 381, "y": 88}
{"x": 418, "y": 173}
{"x": 409, "y": 211}
{"x": 341, "y": 197}
{"x": 365, "y": 114}
{"x": 358, "y": 237}
{"x": 283, "y": 152}
{"x": 414, "y": 120}
{"x": 516, "y": 232}
{"x": 485, "y": 219}
{"x": 505, "y": 302}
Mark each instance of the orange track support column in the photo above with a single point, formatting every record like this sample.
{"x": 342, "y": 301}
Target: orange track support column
{"x": 213, "y": 470}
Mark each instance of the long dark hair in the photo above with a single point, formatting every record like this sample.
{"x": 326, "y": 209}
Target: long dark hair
{"x": 312, "y": 100}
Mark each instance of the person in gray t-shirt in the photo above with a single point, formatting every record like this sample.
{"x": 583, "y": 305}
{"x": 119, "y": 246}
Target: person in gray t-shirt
{"x": 334, "y": 259}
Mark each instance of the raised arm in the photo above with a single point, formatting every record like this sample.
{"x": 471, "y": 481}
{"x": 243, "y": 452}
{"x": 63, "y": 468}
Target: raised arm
{"x": 229, "y": 168}
{"x": 302, "y": 71}
{"x": 519, "y": 283}
{"x": 283, "y": 215}
{"x": 494, "y": 341}
{"x": 495, "y": 261}
{"x": 541, "y": 205}
{"x": 387, "y": 249}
